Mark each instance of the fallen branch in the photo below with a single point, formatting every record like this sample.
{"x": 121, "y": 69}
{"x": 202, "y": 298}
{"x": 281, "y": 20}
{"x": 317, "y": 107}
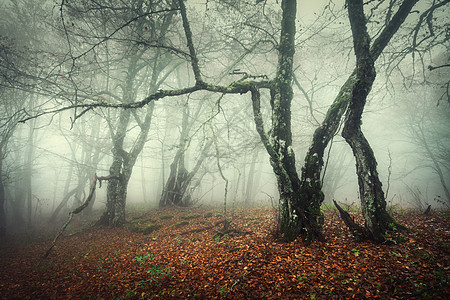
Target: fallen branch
{"x": 80, "y": 208}
{"x": 357, "y": 230}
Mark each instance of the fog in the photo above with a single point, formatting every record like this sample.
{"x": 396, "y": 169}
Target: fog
{"x": 55, "y": 59}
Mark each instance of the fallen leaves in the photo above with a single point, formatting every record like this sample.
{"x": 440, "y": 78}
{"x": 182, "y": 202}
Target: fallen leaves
{"x": 192, "y": 261}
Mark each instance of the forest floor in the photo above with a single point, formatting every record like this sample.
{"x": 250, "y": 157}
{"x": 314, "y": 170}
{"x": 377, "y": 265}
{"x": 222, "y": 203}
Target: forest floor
{"x": 179, "y": 255}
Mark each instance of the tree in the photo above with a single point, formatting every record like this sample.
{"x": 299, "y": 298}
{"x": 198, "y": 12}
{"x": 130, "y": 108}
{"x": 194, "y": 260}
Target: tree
{"x": 175, "y": 190}
{"x": 10, "y": 114}
{"x": 300, "y": 197}
{"x": 426, "y": 128}
{"x": 88, "y": 147}
{"x": 377, "y": 220}
{"x": 19, "y": 62}
{"x": 372, "y": 196}
{"x": 137, "y": 73}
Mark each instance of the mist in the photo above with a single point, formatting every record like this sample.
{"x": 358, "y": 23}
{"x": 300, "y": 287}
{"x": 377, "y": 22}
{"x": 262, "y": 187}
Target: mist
{"x": 69, "y": 63}
{"x": 141, "y": 141}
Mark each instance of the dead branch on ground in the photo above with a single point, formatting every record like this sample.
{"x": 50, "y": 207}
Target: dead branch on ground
{"x": 80, "y": 208}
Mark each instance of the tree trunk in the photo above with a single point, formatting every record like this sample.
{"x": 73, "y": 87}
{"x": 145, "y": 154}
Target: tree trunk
{"x": 250, "y": 180}
{"x": 295, "y": 216}
{"x": 311, "y": 186}
{"x": 437, "y": 166}
{"x": 2, "y": 199}
{"x": 114, "y": 214}
{"x": 175, "y": 191}
{"x": 122, "y": 165}
{"x": 370, "y": 189}
{"x": 28, "y": 172}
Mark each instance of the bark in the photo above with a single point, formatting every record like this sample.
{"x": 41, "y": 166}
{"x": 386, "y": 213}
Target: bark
{"x": 174, "y": 192}
{"x": 373, "y": 203}
{"x": 311, "y": 185}
{"x": 123, "y": 161}
{"x": 292, "y": 220}
{"x": 282, "y": 158}
{"x": 122, "y": 164}
{"x": 28, "y": 171}
{"x": 358, "y": 231}
{"x": 114, "y": 214}
{"x": 176, "y": 189}
{"x": 251, "y": 179}
{"x": 295, "y": 217}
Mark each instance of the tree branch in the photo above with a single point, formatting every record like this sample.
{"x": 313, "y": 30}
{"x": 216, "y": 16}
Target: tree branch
{"x": 80, "y": 208}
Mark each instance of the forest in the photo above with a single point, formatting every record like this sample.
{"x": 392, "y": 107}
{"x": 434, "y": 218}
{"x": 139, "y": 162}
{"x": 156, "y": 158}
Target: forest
{"x": 237, "y": 149}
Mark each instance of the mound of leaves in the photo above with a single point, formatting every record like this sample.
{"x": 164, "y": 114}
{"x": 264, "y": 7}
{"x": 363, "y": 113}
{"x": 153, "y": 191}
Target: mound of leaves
{"x": 193, "y": 261}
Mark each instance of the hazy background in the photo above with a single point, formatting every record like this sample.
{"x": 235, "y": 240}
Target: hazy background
{"x": 405, "y": 99}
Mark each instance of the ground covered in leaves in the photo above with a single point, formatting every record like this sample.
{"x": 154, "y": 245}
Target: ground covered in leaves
{"x": 181, "y": 253}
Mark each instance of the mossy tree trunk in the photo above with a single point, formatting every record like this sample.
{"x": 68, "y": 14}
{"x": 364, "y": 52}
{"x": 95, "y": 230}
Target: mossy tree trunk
{"x": 311, "y": 185}
{"x": 122, "y": 165}
{"x": 295, "y": 216}
{"x": 123, "y": 161}
{"x": 373, "y": 203}
{"x": 114, "y": 214}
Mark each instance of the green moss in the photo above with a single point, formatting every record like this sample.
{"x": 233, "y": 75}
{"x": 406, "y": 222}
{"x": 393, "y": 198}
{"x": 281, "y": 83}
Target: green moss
{"x": 165, "y": 217}
{"x": 142, "y": 221}
{"x": 190, "y": 216}
{"x": 209, "y": 214}
{"x": 145, "y": 229}
{"x": 150, "y": 228}
{"x": 180, "y": 224}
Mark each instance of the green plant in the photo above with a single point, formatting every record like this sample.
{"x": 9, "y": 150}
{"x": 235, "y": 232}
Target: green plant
{"x": 150, "y": 228}
{"x": 441, "y": 273}
{"x": 130, "y": 293}
{"x": 441, "y": 243}
{"x": 396, "y": 254}
{"x": 348, "y": 280}
{"x": 301, "y": 278}
{"x": 142, "y": 259}
{"x": 156, "y": 273}
{"x": 101, "y": 268}
{"x": 355, "y": 252}
{"x": 425, "y": 254}
{"x": 218, "y": 237}
{"x": 44, "y": 267}
{"x": 312, "y": 297}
